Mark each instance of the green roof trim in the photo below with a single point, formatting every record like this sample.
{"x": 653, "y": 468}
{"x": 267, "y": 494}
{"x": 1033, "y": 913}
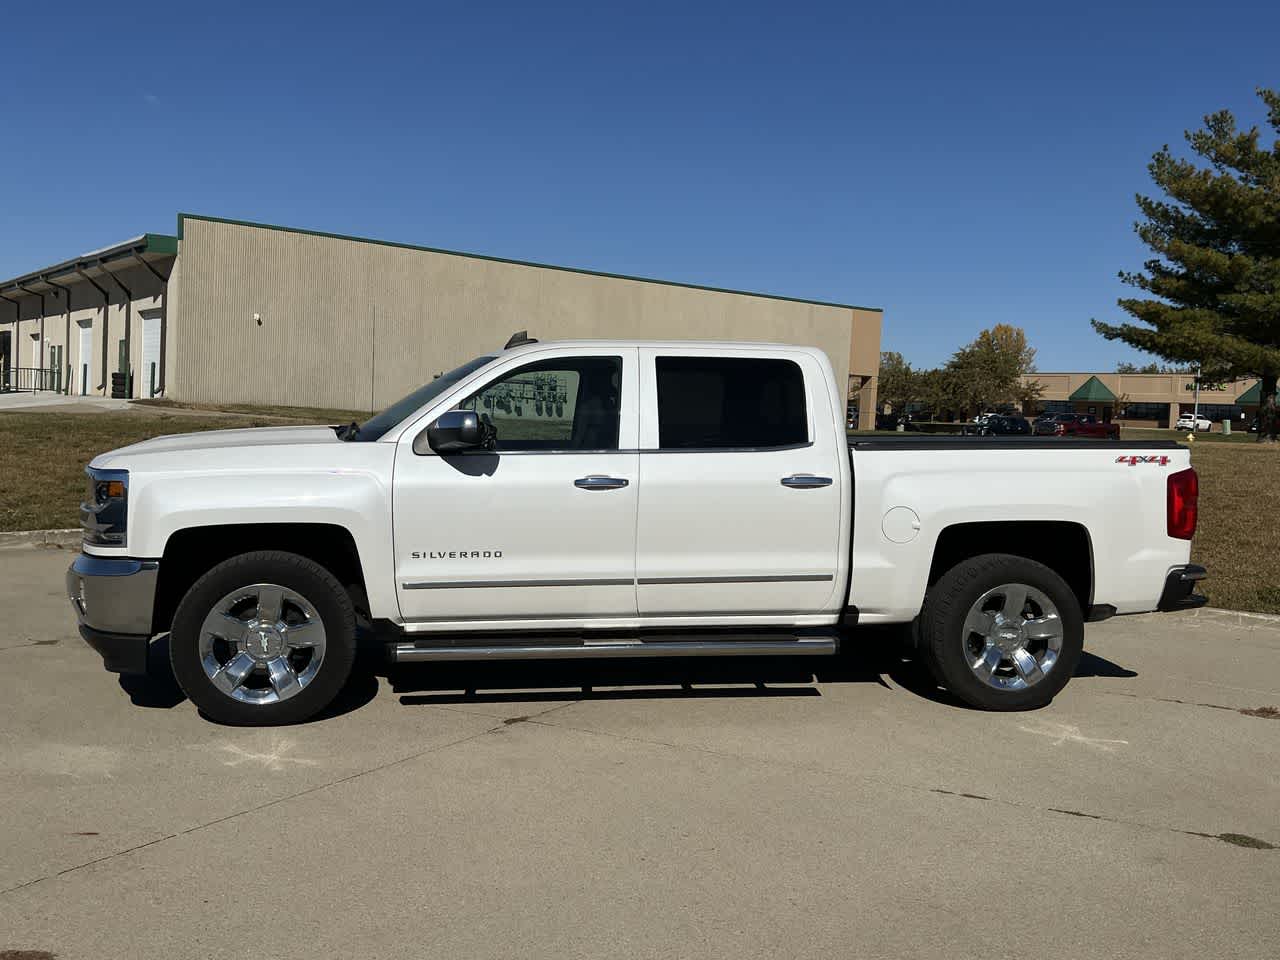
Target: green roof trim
{"x": 1092, "y": 390}
{"x": 1251, "y": 396}
{"x": 161, "y": 243}
{"x": 520, "y": 263}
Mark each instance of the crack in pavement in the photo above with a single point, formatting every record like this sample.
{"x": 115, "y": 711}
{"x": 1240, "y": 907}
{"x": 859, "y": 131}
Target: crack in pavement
{"x": 1237, "y": 839}
{"x": 452, "y": 708}
{"x": 30, "y": 643}
{"x": 1263, "y": 713}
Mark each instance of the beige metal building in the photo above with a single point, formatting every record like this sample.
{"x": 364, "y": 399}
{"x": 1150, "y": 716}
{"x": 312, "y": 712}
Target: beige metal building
{"x": 234, "y": 312}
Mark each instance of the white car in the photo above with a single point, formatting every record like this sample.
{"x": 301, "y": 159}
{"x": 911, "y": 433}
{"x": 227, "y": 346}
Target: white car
{"x": 620, "y": 499}
{"x": 1189, "y": 421}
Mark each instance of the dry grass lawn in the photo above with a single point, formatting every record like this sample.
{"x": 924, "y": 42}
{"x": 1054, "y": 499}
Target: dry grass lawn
{"x": 44, "y": 456}
{"x": 1238, "y": 538}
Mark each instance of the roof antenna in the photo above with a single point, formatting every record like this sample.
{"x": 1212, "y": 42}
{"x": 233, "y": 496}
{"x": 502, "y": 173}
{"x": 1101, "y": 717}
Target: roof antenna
{"x": 519, "y": 339}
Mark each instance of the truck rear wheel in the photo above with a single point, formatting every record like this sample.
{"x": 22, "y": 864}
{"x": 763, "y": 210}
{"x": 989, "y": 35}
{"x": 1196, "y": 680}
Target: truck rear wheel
{"x": 1002, "y": 632}
{"x": 264, "y": 638}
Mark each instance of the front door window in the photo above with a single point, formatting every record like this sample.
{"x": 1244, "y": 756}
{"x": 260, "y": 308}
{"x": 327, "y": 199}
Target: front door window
{"x": 563, "y": 404}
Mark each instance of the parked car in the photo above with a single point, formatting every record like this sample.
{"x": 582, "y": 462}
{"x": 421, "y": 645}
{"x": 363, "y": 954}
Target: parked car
{"x": 891, "y": 421}
{"x": 1077, "y": 425}
{"x": 1189, "y": 421}
{"x": 1000, "y": 424}
{"x": 693, "y": 500}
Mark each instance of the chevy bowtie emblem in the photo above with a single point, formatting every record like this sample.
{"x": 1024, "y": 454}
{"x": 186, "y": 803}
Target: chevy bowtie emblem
{"x": 1133, "y": 460}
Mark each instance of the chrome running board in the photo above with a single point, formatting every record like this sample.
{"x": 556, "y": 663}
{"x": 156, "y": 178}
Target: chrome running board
{"x": 782, "y": 646}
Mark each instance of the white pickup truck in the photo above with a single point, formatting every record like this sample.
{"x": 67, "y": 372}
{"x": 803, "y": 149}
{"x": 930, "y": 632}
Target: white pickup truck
{"x": 619, "y": 499}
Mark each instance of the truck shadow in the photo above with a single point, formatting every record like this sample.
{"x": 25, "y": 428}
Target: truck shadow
{"x": 159, "y": 690}
{"x": 654, "y": 679}
{"x": 877, "y": 656}
{"x": 1092, "y": 665}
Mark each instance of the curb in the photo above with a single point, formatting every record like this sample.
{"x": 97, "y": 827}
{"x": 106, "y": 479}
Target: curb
{"x": 41, "y": 538}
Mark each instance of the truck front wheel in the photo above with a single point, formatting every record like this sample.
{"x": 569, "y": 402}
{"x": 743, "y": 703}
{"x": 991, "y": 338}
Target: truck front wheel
{"x": 263, "y": 638}
{"x": 1002, "y": 632}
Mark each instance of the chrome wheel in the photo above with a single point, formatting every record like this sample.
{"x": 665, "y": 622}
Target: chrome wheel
{"x": 1012, "y": 637}
{"x": 262, "y": 643}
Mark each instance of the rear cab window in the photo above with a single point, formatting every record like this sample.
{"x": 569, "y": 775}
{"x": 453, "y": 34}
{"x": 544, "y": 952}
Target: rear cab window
{"x": 717, "y": 403}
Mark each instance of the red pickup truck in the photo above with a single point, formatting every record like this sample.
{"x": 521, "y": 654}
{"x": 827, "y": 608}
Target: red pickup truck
{"x": 1077, "y": 425}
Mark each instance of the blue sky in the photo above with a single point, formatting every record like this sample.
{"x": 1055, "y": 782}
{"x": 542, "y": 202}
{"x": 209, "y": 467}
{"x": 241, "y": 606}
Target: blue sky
{"x": 958, "y": 165}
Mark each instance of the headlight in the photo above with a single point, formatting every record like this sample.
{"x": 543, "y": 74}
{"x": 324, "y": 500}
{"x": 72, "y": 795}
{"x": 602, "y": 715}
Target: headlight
{"x": 105, "y": 512}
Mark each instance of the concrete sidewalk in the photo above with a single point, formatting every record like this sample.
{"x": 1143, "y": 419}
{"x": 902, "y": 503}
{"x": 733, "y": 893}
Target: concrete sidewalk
{"x": 693, "y": 809}
{"x": 57, "y": 402}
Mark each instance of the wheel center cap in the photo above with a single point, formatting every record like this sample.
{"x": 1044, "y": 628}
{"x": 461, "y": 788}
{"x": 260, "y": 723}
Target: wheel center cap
{"x": 1008, "y": 635}
{"x": 263, "y": 641}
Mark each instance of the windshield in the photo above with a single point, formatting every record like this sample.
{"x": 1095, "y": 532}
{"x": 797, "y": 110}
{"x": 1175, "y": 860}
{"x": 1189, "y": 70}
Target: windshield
{"x": 380, "y": 423}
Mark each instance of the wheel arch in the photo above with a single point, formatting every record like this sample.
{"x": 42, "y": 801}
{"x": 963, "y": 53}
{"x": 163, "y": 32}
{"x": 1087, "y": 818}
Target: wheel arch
{"x": 192, "y": 551}
{"x": 1061, "y": 545}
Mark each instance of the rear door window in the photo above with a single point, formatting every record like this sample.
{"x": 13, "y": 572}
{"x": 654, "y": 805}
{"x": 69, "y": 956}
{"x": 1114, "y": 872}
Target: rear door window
{"x": 730, "y": 402}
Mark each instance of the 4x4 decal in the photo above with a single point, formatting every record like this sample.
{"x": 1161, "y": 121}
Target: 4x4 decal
{"x": 1133, "y": 460}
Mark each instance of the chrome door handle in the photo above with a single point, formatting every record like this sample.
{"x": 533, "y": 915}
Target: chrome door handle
{"x": 805, "y": 481}
{"x": 597, "y": 482}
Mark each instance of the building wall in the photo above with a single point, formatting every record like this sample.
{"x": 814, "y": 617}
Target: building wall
{"x": 355, "y": 325}
{"x": 864, "y": 363}
{"x": 108, "y": 324}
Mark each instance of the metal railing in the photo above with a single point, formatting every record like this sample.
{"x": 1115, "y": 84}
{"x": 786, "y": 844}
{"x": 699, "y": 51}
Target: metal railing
{"x": 30, "y": 380}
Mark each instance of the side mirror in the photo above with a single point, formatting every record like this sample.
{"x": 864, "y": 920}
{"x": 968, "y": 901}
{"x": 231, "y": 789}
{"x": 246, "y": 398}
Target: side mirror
{"x": 452, "y": 432}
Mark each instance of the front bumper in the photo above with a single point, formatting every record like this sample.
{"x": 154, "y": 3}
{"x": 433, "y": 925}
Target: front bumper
{"x": 1179, "y": 587}
{"x": 113, "y": 599}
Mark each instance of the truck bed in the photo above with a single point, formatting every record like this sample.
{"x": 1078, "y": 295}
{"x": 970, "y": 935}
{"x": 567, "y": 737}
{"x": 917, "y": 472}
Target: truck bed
{"x": 916, "y": 441}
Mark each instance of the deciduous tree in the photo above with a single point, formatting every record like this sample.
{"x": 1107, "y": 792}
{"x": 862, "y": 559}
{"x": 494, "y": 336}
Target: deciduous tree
{"x": 898, "y": 384}
{"x": 991, "y": 369}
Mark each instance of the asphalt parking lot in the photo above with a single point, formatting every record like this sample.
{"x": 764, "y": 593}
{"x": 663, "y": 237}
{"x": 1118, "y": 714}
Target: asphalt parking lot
{"x": 739, "y": 809}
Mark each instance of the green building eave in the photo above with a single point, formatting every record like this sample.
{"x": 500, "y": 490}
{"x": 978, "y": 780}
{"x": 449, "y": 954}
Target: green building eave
{"x": 1092, "y": 390}
{"x": 1251, "y": 396}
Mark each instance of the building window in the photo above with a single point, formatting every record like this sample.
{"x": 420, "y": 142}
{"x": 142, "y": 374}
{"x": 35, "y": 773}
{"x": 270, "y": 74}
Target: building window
{"x": 1219, "y": 411}
{"x": 1144, "y": 411}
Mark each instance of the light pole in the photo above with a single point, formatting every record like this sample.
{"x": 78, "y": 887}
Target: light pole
{"x": 1195, "y": 417}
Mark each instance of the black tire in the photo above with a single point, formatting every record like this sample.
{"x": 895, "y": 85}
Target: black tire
{"x": 943, "y": 641}
{"x": 307, "y": 578}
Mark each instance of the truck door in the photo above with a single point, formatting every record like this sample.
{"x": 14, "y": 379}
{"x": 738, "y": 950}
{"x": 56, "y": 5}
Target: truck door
{"x": 544, "y": 527}
{"x": 740, "y": 484}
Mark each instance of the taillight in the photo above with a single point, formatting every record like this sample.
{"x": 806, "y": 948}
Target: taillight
{"x": 1059, "y": 429}
{"x": 1183, "y": 494}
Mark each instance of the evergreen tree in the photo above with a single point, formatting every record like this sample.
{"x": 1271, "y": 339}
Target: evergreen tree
{"x": 1214, "y": 282}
